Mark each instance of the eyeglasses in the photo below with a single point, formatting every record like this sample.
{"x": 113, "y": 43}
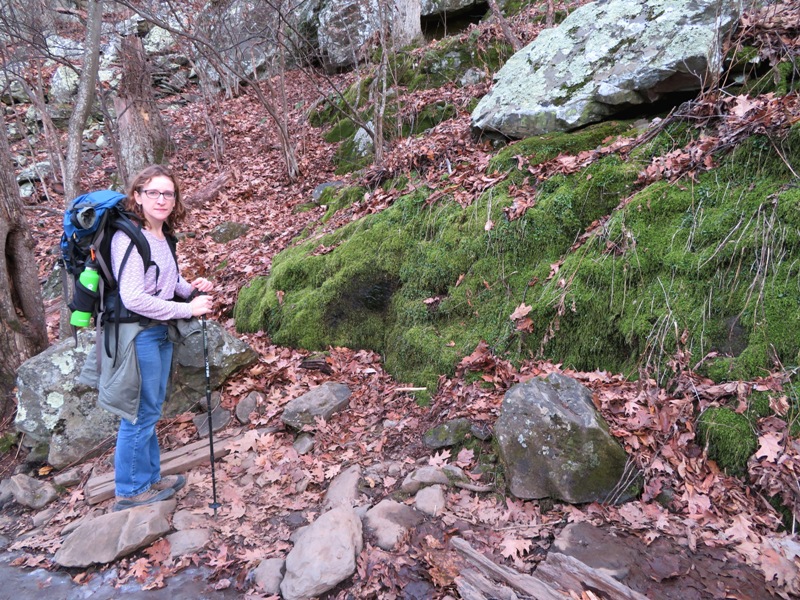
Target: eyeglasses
{"x": 154, "y": 194}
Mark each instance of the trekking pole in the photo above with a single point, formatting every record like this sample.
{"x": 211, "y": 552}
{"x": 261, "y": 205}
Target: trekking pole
{"x": 214, "y": 504}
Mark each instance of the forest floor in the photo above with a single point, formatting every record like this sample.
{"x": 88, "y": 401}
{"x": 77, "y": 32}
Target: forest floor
{"x": 705, "y": 511}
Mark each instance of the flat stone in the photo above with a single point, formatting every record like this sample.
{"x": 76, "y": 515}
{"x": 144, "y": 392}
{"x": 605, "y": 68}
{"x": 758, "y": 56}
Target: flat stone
{"x": 186, "y": 519}
{"x": 111, "y": 536}
{"x": 187, "y": 541}
{"x": 343, "y": 490}
{"x": 304, "y": 443}
{"x": 220, "y": 417}
{"x": 247, "y": 406}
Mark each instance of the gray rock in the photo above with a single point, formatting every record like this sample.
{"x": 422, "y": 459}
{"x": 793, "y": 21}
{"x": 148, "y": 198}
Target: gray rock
{"x": 322, "y": 401}
{"x": 64, "y": 84}
{"x": 228, "y": 231}
{"x": 343, "y": 490}
{"x": 158, "y": 40}
{"x": 186, "y": 519}
{"x": 324, "y": 555}
{"x": 389, "y": 521}
{"x": 441, "y": 7}
{"x": 554, "y": 443}
{"x": 62, "y": 47}
{"x": 316, "y": 195}
{"x": 248, "y": 405}
{"x": 422, "y": 477}
{"x": 187, "y": 541}
{"x": 11, "y": 89}
{"x": 226, "y": 355}
{"x": 304, "y": 443}
{"x": 55, "y": 409}
{"x": 472, "y": 76}
{"x": 72, "y": 476}
{"x": 431, "y": 500}
{"x": 345, "y": 26}
{"x": 6, "y": 495}
{"x": 31, "y": 492}
{"x": 605, "y": 57}
{"x": 27, "y": 190}
{"x": 268, "y": 576}
{"x": 581, "y": 540}
{"x": 37, "y": 172}
{"x": 362, "y": 141}
{"x": 220, "y": 417}
{"x": 114, "y": 535}
{"x": 44, "y": 516}
{"x": 447, "y": 434}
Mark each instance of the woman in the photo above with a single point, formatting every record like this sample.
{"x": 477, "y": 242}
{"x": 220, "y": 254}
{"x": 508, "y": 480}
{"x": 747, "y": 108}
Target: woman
{"x": 153, "y": 195}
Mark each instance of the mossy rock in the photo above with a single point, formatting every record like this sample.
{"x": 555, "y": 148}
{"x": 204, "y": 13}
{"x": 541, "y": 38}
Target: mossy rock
{"x": 678, "y": 263}
{"x": 730, "y": 438}
{"x": 374, "y": 289}
{"x": 430, "y": 116}
{"x": 780, "y": 79}
{"x": 448, "y": 60}
{"x": 541, "y": 148}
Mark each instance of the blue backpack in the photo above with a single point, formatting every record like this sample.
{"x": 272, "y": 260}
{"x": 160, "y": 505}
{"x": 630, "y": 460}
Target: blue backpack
{"x": 90, "y": 221}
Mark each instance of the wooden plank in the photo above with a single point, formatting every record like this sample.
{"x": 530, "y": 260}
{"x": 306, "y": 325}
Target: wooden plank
{"x": 180, "y": 460}
{"x": 475, "y": 585}
{"x": 520, "y": 582}
{"x": 572, "y": 574}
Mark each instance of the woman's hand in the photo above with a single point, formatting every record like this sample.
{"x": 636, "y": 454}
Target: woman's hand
{"x": 201, "y": 305}
{"x": 201, "y": 284}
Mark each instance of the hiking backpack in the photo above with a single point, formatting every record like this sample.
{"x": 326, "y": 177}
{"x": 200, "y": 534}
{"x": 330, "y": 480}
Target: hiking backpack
{"x": 90, "y": 222}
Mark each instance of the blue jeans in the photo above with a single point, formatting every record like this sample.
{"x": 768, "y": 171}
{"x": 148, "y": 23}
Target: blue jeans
{"x": 137, "y": 459}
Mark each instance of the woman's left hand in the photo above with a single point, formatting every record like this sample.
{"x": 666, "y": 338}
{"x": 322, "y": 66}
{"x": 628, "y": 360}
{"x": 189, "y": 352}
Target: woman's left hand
{"x": 201, "y": 284}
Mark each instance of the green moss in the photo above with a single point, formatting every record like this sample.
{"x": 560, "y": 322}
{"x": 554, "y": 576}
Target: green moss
{"x": 343, "y": 129}
{"x": 430, "y": 116}
{"x": 782, "y": 78}
{"x": 7, "y": 442}
{"x": 714, "y": 262}
{"x": 338, "y": 198}
{"x": 730, "y": 438}
{"x": 541, "y": 148}
{"x": 448, "y": 60}
{"x": 349, "y": 158}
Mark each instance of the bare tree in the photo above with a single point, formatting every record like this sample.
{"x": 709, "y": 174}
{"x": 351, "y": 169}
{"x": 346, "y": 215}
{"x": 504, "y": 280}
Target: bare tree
{"x": 23, "y": 331}
{"x": 84, "y": 100}
{"x": 228, "y": 43}
{"x": 143, "y": 137}
{"x": 504, "y": 26}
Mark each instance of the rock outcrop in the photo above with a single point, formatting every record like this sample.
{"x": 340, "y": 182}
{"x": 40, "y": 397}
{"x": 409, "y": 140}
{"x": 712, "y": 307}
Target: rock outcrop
{"x": 605, "y": 57}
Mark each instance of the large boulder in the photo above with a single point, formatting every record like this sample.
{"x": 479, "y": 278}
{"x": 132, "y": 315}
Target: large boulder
{"x": 349, "y": 28}
{"x": 605, "y": 57}
{"x": 54, "y": 408}
{"x": 226, "y": 355}
{"x": 554, "y": 443}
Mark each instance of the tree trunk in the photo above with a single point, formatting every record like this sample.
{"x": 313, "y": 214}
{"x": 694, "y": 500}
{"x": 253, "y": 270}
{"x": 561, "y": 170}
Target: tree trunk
{"x": 143, "y": 137}
{"x": 23, "y": 331}
{"x": 84, "y": 100}
{"x": 505, "y": 27}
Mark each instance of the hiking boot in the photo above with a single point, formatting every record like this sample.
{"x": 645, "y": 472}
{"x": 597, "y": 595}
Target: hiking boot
{"x": 148, "y": 497}
{"x": 173, "y": 482}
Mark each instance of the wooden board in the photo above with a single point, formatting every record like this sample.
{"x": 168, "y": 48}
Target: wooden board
{"x": 101, "y": 488}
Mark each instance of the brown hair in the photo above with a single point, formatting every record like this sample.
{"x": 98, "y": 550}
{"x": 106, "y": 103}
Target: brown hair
{"x": 137, "y": 183}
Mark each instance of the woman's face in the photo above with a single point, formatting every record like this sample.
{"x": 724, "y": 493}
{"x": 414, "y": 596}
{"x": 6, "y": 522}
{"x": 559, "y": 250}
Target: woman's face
{"x": 157, "y": 199}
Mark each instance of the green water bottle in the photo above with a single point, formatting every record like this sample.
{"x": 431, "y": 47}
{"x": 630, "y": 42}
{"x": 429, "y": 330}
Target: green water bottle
{"x": 90, "y": 279}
